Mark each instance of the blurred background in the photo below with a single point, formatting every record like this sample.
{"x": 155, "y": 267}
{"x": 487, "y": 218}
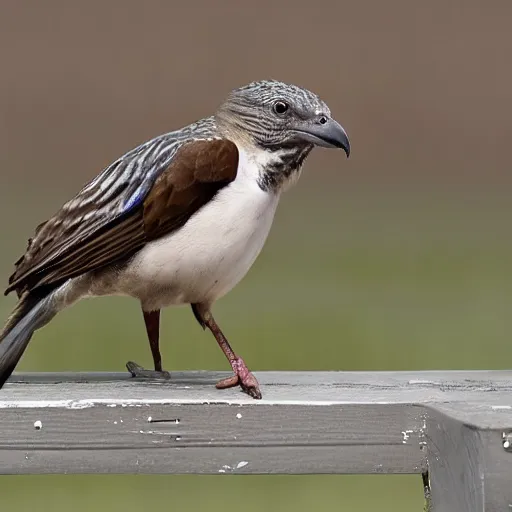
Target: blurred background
{"x": 399, "y": 258}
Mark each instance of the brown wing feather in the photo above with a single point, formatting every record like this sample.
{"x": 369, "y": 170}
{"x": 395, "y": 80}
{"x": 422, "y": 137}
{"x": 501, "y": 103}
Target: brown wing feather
{"x": 189, "y": 183}
{"x": 63, "y": 248}
{"x": 69, "y": 229}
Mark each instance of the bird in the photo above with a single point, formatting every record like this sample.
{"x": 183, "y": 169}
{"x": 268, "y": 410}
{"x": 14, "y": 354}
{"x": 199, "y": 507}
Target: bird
{"x": 178, "y": 220}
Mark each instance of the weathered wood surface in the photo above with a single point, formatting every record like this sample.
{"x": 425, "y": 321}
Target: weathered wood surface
{"x": 316, "y": 422}
{"x": 469, "y": 465}
{"x": 455, "y": 425}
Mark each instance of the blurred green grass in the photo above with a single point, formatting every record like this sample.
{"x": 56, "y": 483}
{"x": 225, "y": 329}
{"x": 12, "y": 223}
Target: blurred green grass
{"x": 190, "y": 493}
{"x": 347, "y": 281}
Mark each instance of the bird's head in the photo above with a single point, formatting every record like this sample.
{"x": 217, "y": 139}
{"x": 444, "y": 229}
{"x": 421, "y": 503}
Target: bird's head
{"x": 277, "y": 115}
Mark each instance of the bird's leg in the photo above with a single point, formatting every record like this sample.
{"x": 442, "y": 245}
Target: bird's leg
{"x": 152, "y": 321}
{"x": 242, "y": 376}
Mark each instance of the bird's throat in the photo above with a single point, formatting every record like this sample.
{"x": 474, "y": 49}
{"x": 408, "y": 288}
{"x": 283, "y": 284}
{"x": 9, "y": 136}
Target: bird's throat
{"x": 283, "y": 167}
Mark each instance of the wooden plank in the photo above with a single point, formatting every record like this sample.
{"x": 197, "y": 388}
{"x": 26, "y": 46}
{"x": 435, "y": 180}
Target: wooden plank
{"x": 313, "y": 388}
{"x": 470, "y": 467}
{"x": 313, "y": 422}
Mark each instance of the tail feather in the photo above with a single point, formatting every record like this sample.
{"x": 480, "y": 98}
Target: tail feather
{"x": 30, "y": 314}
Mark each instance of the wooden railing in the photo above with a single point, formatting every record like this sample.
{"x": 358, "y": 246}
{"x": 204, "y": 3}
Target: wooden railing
{"x": 452, "y": 428}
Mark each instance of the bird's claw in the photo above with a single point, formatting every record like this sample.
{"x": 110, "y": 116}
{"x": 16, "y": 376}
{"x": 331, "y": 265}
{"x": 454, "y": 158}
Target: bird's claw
{"x": 138, "y": 371}
{"x": 243, "y": 378}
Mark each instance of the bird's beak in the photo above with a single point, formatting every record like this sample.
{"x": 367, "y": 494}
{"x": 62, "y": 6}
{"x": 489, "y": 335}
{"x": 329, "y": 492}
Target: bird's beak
{"x": 324, "y": 132}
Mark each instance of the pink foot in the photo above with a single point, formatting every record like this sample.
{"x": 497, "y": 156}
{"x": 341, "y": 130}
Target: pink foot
{"x": 243, "y": 377}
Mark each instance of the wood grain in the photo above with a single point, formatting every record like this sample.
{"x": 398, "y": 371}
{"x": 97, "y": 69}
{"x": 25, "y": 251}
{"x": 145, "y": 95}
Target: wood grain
{"x": 316, "y": 422}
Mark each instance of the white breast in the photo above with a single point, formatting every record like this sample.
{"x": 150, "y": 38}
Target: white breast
{"x": 208, "y": 256}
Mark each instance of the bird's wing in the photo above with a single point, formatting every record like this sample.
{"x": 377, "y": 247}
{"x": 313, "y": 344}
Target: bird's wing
{"x": 144, "y": 195}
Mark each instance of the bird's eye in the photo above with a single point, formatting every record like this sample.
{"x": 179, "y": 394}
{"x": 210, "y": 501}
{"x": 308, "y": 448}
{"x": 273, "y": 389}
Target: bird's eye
{"x": 281, "y": 107}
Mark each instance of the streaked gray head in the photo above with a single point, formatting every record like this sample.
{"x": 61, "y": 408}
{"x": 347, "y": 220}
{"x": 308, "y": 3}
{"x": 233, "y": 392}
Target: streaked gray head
{"x": 277, "y": 115}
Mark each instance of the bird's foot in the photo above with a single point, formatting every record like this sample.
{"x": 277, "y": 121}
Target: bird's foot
{"x": 243, "y": 378}
{"x": 138, "y": 371}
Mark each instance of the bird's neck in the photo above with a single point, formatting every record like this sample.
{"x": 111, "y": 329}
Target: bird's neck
{"x": 281, "y": 167}
{"x": 274, "y": 170}
{"x": 278, "y": 167}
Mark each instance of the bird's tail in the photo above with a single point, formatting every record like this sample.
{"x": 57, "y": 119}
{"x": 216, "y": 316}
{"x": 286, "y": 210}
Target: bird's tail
{"x": 31, "y": 313}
